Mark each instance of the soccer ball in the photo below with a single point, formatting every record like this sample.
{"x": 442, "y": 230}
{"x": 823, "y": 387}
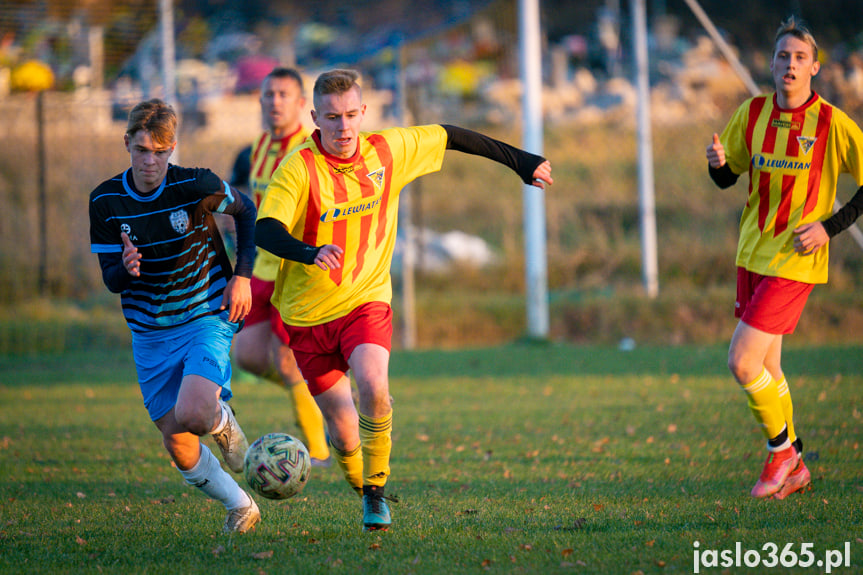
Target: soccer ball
{"x": 277, "y": 466}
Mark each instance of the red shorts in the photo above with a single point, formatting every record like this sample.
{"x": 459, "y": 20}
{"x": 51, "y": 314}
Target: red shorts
{"x": 262, "y": 310}
{"x": 770, "y": 304}
{"x": 322, "y": 351}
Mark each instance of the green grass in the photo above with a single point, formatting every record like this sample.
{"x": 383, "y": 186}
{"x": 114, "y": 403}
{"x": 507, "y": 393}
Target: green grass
{"x": 515, "y": 459}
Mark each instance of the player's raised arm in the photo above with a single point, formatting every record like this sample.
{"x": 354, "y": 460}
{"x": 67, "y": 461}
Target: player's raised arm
{"x": 716, "y": 153}
{"x": 720, "y": 171}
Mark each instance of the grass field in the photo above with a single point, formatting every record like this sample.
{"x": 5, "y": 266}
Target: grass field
{"x": 514, "y": 459}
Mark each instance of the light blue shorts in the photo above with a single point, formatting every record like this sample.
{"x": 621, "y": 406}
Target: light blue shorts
{"x": 164, "y": 357}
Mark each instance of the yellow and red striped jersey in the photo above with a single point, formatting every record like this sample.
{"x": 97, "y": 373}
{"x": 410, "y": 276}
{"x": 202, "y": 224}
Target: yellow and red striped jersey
{"x": 794, "y": 158}
{"x": 352, "y": 203}
{"x": 267, "y": 154}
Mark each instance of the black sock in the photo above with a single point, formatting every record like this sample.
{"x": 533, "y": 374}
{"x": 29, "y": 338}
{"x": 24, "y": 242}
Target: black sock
{"x": 798, "y": 446}
{"x": 779, "y": 439}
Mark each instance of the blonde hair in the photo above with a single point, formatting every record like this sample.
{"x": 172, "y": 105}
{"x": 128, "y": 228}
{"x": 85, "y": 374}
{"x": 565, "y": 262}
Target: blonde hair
{"x": 157, "y": 118}
{"x": 792, "y": 27}
{"x": 336, "y": 82}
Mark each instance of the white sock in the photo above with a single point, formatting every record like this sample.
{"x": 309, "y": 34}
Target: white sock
{"x": 223, "y": 419}
{"x": 208, "y": 476}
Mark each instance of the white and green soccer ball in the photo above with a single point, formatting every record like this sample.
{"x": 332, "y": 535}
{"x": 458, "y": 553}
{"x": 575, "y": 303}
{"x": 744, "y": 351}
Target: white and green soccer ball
{"x": 277, "y": 466}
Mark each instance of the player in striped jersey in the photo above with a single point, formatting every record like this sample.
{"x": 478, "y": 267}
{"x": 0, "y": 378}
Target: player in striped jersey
{"x": 794, "y": 145}
{"x": 153, "y": 229}
{"x": 262, "y": 346}
{"x": 331, "y": 211}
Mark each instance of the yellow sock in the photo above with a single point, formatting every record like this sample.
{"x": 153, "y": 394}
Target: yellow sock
{"x": 310, "y": 420}
{"x": 351, "y": 463}
{"x": 377, "y": 443}
{"x": 787, "y": 407}
{"x": 765, "y": 404}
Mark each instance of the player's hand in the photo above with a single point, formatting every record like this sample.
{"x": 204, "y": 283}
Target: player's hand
{"x": 328, "y": 257}
{"x": 809, "y": 238}
{"x": 542, "y": 175}
{"x": 716, "y": 153}
{"x": 237, "y": 295}
{"x": 131, "y": 256}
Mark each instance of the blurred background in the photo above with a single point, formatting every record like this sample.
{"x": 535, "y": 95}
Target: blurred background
{"x": 70, "y": 70}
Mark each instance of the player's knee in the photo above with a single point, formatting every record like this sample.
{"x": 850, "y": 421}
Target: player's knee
{"x": 195, "y": 420}
{"x": 734, "y": 364}
{"x": 742, "y": 367}
{"x": 250, "y": 358}
{"x": 344, "y": 439}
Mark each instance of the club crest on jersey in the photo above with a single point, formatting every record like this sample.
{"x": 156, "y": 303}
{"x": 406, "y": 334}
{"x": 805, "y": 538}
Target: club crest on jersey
{"x": 806, "y": 143}
{"x": 377, "y": 177}
{"x": 180, "y": 221}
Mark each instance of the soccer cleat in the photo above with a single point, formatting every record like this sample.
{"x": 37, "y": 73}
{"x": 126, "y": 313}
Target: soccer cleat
{"x": 799, "y": 480}
{"x": 242, "y": 519}
{"x": 777, "y": 468}
{"x": 322, "y": 463}
{"x": 376, "y": 512}
{"x": 231, "y": 440}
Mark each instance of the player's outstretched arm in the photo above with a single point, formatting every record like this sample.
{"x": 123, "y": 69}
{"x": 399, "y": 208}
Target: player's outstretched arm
{"x": 532, "y": 169}
{"x": 542, "y": 175}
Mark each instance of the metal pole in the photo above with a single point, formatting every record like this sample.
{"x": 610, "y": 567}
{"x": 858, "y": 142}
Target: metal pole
{"x": 533, "y": 197}
{"x": 646, "y": 201}
{"x": 166, "y": 28}
{"x": 406, "y": 208}
{"x": 723, "y": 46}
{"x": 43, "y": 193}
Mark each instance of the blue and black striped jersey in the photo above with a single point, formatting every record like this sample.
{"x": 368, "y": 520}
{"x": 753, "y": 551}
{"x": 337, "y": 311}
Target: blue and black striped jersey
{"x": 184, "y": 266}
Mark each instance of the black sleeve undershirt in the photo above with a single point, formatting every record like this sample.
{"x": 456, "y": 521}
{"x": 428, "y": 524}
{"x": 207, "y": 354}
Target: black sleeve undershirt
{"x": 722, "y": 176}
{"x": 114, "y": 274}
{"x": 846, "y": 216}
{"x": 244, "y": 213}
{"x": 273, "y": 236}
{"x": 470, "y": 142}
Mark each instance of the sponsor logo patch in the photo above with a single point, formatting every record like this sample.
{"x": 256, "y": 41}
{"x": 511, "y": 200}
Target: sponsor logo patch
{"x": 361, "y": 208}
{"x": 777, "y": 123}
